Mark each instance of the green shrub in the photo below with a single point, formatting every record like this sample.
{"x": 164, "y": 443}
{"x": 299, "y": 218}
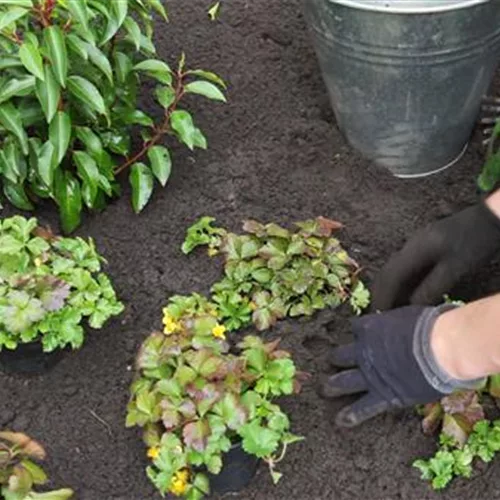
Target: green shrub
{"x": 48, "y": 285}
{"x": 71, "y": 76}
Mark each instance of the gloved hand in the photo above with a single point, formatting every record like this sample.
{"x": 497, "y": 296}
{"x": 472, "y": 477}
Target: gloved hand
{"x": 434, "y": 260}
{"x": 394, "y": 365}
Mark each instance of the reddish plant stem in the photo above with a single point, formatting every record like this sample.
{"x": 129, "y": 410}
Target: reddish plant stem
{"x": 161, "y": 131}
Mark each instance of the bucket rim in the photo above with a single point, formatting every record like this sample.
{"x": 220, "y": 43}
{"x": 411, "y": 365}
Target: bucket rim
{"x": 410, "y": 6}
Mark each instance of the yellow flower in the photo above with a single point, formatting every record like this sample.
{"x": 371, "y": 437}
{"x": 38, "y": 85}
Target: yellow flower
{"x": 179, "y": 483}
{"x": 212, "y": 252}
{"x": 153, "y": 452}
{"x": 38, "y": 262}
{"x": 171, "y": 326}
{"x": 219, "y": 331}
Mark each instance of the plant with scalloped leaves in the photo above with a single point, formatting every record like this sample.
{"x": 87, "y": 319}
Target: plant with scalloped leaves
{"x": 72, "y": 71}
{"x": 195, "y": 398}
{"x": 48, "y": 285}
{"x": 19, "y": 472}
{"x": 272, "y": 272}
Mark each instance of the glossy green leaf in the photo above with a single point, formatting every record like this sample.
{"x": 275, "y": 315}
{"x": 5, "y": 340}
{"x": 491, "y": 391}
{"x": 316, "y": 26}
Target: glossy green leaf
{"x": 121, "y": 11}
{"x": 69, "y": 199}
{"x": 134, "y": 31}
{"x": 11, "y": 15}
{"x": 78, "y": 9}
{"x": 32, "y": 60}
{"x": 10, "y": 62}
{"x": 99, "y": 60}
{"x": 48, "y": 93}
{"x": 141, "y": 180}
{"x": 16, "y": 194}
{"x": 161, "y": 163}
{"x": 91, "y": 140}
{"x": 46, "y": 164}
{"x": 77, "y": 46}
{"x": 56, "y": 46}
{"x": 158, "y": 70}
{"x": 206, "y": 89}
{"x": 123, "y": 66}
{"x": 60, "y": 134}
{"x": 89, "y": 173}
{"x": 10, "y": 118}
{"x": 14, "y": 87}
{"x": 28, "y": 4}
{"x": 208, "y": 75}
{"x": 165, "y": 96}
{"x": 88, "y": 93}
{"x": 182, "y": 123}
{"x": 137, "y": 117}
{"x": 159, "y": 8}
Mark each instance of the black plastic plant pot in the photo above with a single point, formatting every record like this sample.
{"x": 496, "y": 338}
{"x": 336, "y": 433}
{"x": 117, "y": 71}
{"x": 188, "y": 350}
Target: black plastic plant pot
{"x": 238, "y": 470}
{"x": 28, "y": 359}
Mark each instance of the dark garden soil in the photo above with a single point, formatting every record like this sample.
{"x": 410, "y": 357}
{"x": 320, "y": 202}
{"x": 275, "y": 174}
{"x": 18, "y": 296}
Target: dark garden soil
{"x": 274, "y": 154}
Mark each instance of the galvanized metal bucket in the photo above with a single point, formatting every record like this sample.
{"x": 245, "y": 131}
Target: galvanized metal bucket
{"x": 406, "y": 77}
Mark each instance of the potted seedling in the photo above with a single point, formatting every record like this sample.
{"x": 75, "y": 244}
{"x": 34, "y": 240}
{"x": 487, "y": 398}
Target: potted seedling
{"x": 18, "y": 471}
{"x": 208, "y": 411}
{"x": 48, "y": 286}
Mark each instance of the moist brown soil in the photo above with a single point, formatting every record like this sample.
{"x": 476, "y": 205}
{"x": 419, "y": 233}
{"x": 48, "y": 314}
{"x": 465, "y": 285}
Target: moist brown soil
{"x": 275, "y": 154}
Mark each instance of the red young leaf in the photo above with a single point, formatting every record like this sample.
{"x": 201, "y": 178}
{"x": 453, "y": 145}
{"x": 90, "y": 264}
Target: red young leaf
{"x": 254, "y": 227}
{"x": 433, "y": 415}
{"x": 327, "y": 226}
{"x": 196, "y": 435}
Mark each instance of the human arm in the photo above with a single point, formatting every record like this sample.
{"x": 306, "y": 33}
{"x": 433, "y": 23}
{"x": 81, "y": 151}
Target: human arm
{"x": 466, "y": 340}
{"x": 414, "y": 355}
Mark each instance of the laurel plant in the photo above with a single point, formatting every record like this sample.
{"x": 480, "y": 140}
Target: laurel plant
{"x": 71, "y": 75}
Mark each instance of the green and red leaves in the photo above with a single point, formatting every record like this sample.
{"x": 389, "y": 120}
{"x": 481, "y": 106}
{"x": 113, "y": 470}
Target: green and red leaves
{"x": 196, "y": 435}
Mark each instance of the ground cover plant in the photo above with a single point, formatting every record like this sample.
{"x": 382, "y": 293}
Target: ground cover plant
{"x": 19, "y": 472}
{"x": 196, "y": 398}
{"x": 72, "y": 72}
{"x": 197, "y": 392}
{"x": 271, "y": 272}
{"x": 48, "y": 286}
{"x": 276, "y": 154}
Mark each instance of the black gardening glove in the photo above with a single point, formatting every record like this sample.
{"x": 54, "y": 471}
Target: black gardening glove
{"x": 434, "y": 260}
{"x": 393, "y": 364}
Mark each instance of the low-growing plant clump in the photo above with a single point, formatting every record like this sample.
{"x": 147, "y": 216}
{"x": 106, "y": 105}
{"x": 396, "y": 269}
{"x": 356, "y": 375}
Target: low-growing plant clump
{"x": 19, "y": 472}
{"x": 271, "y": 272}
{"x": 196, "y": 398}
{"x": 48, "y": 286}
{"x": 72, "y": 72}
{"x": 197, "y": 392}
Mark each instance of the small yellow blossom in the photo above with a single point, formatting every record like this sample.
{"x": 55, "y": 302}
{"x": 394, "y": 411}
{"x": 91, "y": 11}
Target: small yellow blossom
{"x": 179, "y": 483}
{"x": 153, "y": 452}
{"x": 171, "y": 326}
{"x": 38, "y": 262}
{"x": 219, "y": 331}
{"x": 212, "y": 252}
